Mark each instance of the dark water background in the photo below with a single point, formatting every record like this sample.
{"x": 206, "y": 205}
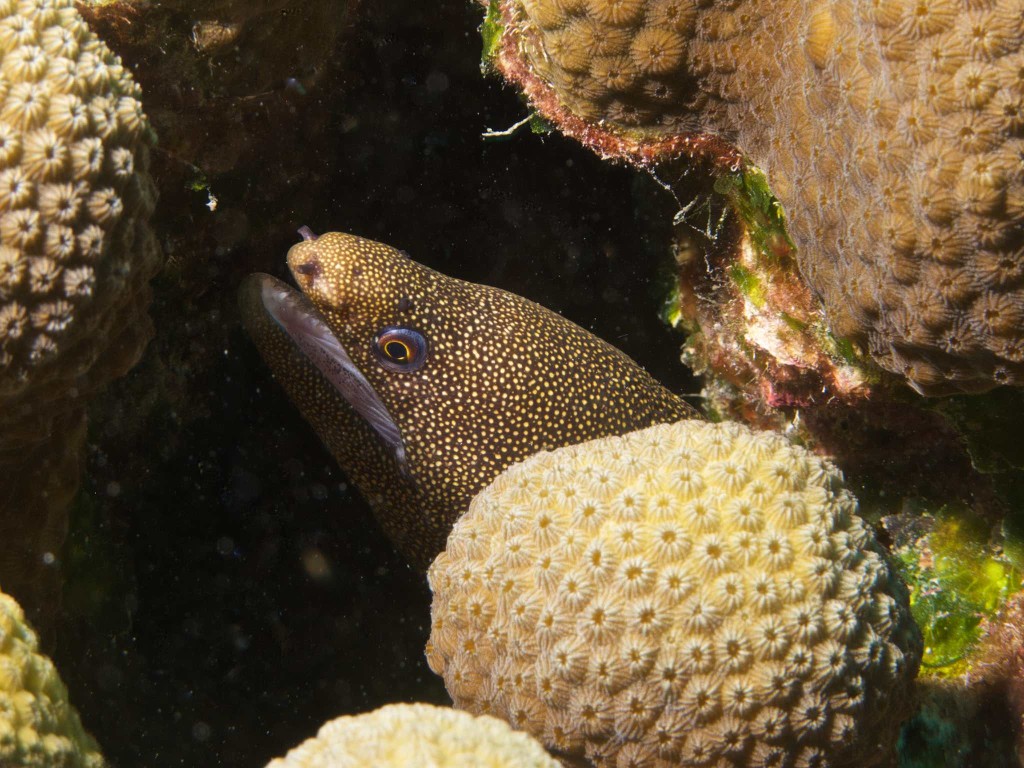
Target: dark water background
{"x": 227, "y": 592}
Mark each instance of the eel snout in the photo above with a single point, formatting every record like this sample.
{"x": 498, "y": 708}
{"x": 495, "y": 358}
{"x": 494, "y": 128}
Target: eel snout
{"x": 263, "y": 297}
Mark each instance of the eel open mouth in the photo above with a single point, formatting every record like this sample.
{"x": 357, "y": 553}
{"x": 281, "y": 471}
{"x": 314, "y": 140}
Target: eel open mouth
{"x": 295, "y": 314}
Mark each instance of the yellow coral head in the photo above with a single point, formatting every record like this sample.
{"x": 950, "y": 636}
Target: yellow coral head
{"x": 38, "y": 725}
{"x": 425, "y": 387}
{"x": 686, "y": 595}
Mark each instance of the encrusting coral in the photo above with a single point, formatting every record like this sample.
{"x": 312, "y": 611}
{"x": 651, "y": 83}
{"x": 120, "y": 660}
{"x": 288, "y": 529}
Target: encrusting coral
{"x": 401, "y": 735}
{"x": 688, "y": 594}
{"x": 891, "y": 132}
{"x": 38, "y": 726}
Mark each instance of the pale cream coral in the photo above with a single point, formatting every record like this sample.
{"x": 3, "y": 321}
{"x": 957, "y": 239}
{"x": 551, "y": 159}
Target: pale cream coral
{"x": 891, "y": 131}
{"x": 689, "y": 594}
{"x": 38, "y": 726}
{"x": 74, "y": 199}
{"x": 401, "y": 735}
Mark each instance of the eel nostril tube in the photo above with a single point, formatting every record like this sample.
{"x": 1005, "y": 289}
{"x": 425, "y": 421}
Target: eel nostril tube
{"x": 307, "y": 233}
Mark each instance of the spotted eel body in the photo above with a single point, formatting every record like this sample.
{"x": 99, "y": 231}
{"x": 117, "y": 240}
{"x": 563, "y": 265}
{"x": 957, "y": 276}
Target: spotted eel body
{"x": 490, "y": 378}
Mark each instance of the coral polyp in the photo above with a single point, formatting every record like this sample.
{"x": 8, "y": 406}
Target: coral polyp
{"x": 893, "y": 139}
{"x": 628, "y": 64}
{"x": 688, "y": 594}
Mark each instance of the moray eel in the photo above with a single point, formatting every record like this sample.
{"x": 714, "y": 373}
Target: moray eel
{"x": 425, "y": 387}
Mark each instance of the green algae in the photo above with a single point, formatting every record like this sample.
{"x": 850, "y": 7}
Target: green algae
{"x": 762, "y": 214}
{"x": 764, "y": 218}
{"x": 199, "y": 183}
{"x": 843, "y": 348}
{"x": 490, "y": 33}
{"x": 990, "y": 426}
{"x": 958, "y": 577}
{"x": 539, "y": 125}
{"x": 749, "y": 284}
{"x": 846, "y": 352}
{"x": 671, "y": 313}
{"x": 794, "y": 323}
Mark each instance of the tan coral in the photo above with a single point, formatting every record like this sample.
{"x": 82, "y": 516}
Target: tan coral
{"x": 38, "y": 726}
{"x": 891, "y": 132}
{"x": 401, "y": 735}
{"x": 689, "y": 594}
{"x": 75, "y": 250}
{"x": 76, "y": 256}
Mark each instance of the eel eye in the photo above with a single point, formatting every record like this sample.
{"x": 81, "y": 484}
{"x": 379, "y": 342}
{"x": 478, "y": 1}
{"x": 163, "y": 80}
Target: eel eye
{"x": 400, "y": 349}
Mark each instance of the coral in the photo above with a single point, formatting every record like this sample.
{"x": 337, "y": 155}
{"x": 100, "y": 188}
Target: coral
{"x": 38, "y": 726}
{"x": 399, "y": 735}
{"x": 688, "y": 594}
{"x": 632, "y": 64}
{"x": 76, "y": 255}
{"x": 891, "y": 133}
{"x": 75, "y": 249}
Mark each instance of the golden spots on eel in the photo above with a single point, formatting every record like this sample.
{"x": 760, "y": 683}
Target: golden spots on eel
{"x": 446, "y": 383}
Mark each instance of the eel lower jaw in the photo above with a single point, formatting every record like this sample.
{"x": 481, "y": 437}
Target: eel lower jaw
{"x": 295, "y": 314}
